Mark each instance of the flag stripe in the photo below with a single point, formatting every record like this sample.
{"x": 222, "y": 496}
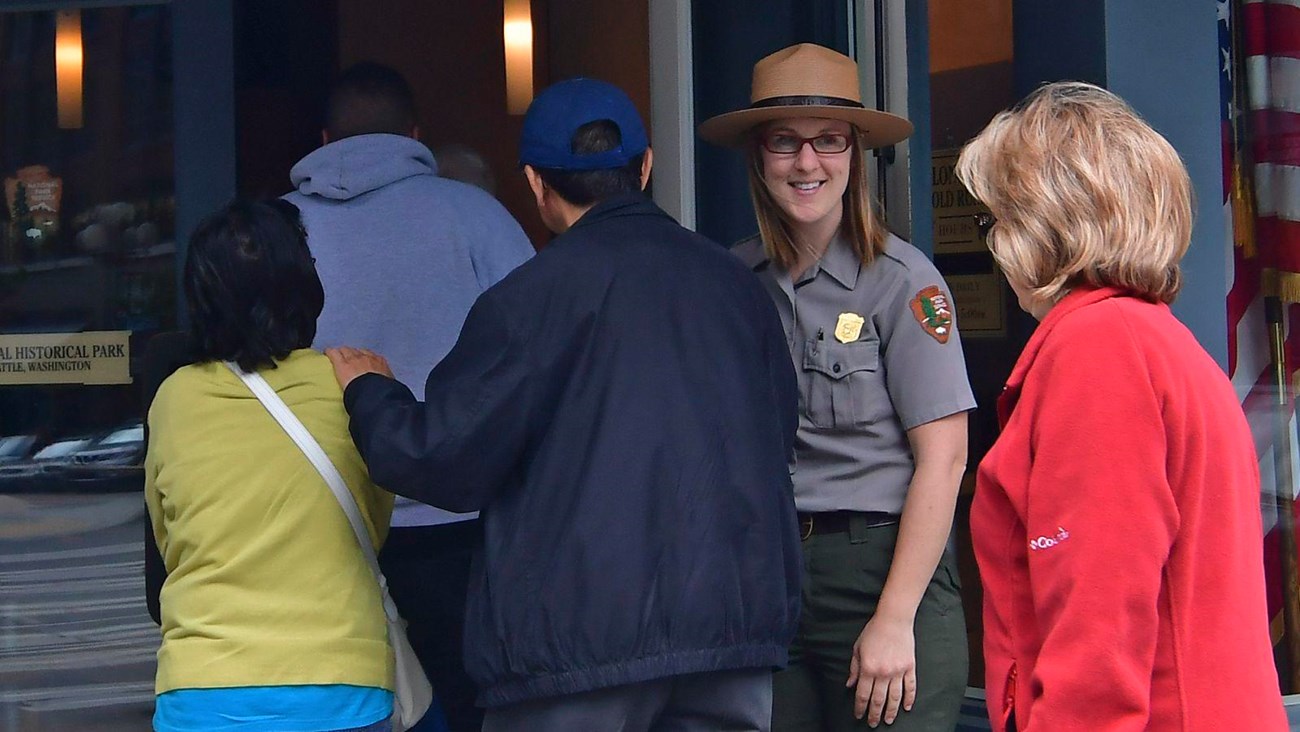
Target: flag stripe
{"x": 1274, "y": 82}
{"x": 1273, "y": 570}
{"x": 1275, "y": 186}
{"x": 1258, "y": 406}
{"x": 1283, "y": 237}
{"x": 1251, "y": 362}
{"x": 1277, "y": 136}
{"x": 1270, "y": 73}
{"x": 1272, "y": 29}
{"x": 1291, "y": 3}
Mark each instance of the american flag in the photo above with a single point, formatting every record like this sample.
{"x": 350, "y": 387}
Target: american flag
{"x": 1259, "y": 45}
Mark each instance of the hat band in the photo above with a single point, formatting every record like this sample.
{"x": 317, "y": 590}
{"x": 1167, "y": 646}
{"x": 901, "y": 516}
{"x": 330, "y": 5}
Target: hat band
{"x": 806, "y": 101}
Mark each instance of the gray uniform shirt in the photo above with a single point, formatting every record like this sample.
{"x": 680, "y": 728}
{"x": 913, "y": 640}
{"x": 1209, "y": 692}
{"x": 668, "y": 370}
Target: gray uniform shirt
{"x": 877, "y": 353}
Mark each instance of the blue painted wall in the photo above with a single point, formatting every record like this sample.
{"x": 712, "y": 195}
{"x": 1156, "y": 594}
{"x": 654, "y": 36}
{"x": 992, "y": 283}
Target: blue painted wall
{"x": 918, "y": 111}
{"x": 1163, "y": 57}
{"x": 204, "y": 109}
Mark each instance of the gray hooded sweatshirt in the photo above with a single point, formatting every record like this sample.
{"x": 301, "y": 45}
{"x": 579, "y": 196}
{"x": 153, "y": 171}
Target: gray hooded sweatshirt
{"x": 402, "y": 253}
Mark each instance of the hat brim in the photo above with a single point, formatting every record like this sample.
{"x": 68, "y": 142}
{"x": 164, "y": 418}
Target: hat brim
{"x": 732, "y": 129}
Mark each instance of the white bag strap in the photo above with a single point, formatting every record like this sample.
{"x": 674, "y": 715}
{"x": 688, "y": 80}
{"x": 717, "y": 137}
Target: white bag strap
{"x": 319, "y": 460}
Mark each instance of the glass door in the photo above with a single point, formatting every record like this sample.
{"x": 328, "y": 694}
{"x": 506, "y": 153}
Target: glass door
{"x": 87, "y": 276}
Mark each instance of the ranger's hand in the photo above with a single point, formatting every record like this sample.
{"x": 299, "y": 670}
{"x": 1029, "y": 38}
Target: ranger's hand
{"x": 883, "y": 669}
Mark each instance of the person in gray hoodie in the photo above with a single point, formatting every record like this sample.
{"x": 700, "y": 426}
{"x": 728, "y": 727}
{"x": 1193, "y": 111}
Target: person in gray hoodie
{"x": 403, "y": 253}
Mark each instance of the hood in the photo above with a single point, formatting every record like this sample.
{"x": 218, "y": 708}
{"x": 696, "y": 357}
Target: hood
{"x": 356, "y": 165}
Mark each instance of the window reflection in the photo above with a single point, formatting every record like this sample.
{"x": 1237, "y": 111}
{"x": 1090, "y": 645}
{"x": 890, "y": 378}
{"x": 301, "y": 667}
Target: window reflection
{"x": 87, "y": 276}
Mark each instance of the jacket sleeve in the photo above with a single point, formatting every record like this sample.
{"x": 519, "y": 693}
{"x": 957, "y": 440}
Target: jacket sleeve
{"x": 155, "y": 569}
{"x": 458, "y": 447}
{"x": 163, "y": 354}
{"x": 785, "y": 386}
{"x": 1101, "y": 519}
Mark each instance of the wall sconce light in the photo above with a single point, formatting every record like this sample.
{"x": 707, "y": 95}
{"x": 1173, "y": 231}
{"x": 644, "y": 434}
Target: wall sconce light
{"x": 518, "y": 31}
{"x": 69, "y": 61}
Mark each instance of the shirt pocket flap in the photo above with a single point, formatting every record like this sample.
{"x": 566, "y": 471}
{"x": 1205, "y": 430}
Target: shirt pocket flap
{"x": 838, "y": 360}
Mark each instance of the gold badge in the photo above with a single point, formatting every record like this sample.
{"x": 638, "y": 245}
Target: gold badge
{"x": 849, "y": 327}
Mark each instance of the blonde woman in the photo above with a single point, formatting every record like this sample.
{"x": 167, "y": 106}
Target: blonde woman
{"x": 881, "y": 445}
{"x": 1116, "y": 520}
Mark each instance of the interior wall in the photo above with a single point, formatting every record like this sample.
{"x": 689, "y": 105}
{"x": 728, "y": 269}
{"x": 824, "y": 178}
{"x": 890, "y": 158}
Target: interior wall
{"x": 619, "y": 53}
{"x": 284, "y": 62}
{"x": 453, "y": 55}
{"x": 971, "y": 71}
{"x": 966, "y": 33}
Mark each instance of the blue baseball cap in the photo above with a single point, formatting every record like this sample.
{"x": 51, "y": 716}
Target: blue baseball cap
{"x": 562, "y": 108}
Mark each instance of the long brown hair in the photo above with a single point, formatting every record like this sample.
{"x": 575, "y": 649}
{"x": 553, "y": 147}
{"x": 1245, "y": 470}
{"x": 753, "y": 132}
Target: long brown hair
{"x": 861, "y": 223}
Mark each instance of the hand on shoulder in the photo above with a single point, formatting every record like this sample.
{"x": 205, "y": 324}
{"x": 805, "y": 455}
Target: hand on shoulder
{"x": 349, "y": 363}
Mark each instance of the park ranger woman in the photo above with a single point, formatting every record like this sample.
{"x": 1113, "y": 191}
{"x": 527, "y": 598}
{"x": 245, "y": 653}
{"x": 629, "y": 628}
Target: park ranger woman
{"x": 881, "y": 447}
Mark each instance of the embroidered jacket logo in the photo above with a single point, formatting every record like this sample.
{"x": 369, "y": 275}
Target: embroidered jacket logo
{"x": 1047, "y": 542}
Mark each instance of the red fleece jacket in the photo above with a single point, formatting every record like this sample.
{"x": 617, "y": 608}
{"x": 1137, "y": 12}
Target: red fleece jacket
{"x": 1117, "y": 527}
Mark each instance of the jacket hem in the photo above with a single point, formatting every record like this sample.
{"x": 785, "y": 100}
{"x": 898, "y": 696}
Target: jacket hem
{"x": 631, "y": 672}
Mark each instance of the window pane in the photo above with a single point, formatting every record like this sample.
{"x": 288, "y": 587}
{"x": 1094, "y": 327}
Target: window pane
{"x": 87, "y": 276}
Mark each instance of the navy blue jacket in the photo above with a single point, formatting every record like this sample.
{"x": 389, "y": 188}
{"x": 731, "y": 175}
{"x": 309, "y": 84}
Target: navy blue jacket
{"x": 621, "y": 409}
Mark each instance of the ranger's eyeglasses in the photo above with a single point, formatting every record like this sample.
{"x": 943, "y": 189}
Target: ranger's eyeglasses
{"x": 784, "y": 143}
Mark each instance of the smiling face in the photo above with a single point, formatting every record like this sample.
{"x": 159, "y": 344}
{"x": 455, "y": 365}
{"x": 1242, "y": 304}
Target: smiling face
{"x": 808, "y": 186}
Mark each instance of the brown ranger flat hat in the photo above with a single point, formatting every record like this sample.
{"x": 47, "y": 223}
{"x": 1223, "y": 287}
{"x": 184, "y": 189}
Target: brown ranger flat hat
{"x": 805, "y": 80}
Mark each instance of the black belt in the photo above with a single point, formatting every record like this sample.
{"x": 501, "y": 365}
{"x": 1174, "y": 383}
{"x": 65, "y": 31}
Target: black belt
{"x": 837, "y": 522}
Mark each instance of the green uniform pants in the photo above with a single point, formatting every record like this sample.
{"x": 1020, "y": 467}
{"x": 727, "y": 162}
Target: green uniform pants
{"x": 843, "y": 576}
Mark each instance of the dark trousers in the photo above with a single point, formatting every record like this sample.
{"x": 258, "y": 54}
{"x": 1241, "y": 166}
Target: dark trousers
{"x": 843, "y": 576}
{"x": 428, "y": 576}
{"x": 740, "y": 701}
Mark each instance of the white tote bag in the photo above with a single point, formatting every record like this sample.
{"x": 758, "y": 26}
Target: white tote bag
{"x": 413, "y": 695}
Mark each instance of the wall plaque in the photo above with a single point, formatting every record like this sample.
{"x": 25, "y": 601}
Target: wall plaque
{"x": 92, "y": 357}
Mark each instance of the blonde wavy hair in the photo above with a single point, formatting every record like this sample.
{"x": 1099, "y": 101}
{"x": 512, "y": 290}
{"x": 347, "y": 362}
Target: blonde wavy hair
{"x": 862, "y": 223}
{"x": 1083, "y": 190}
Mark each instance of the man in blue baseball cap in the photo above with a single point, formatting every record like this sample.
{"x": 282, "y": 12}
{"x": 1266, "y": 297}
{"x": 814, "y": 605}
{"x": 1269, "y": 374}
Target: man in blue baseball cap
{"x": 621, "y": 409}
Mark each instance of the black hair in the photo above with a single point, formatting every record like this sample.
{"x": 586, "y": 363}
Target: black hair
{"x": 251, "y": 286}
{"x": 585, "y": 187}
{"x": 368, "y": 98}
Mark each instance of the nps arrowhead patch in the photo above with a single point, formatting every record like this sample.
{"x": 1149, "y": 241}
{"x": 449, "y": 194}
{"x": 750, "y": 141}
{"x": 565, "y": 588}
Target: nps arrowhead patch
{"x": 930, "y": 306}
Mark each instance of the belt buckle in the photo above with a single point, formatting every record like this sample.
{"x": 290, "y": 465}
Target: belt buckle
{"x": 806, "y": 527}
